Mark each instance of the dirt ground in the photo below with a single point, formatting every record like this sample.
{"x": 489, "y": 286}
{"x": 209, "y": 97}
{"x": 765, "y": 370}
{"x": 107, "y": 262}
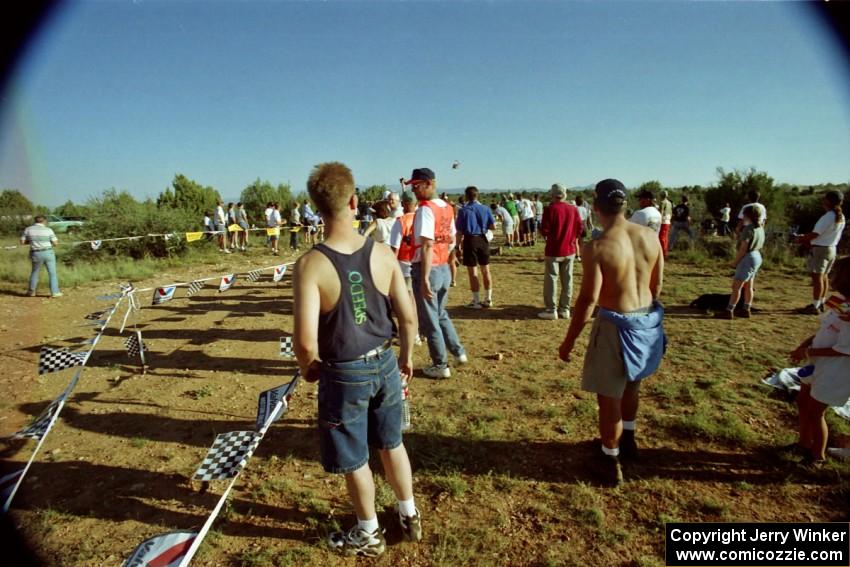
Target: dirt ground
{"x": 501, "y": 452}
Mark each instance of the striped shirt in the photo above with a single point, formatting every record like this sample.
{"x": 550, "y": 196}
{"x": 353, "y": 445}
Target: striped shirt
{"x": 39, "y": 237}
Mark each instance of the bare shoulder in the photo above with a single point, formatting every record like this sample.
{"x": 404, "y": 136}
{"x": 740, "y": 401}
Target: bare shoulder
{"x": 383, "y": 259}
{"x": 310, "y": 264}
{"x": 383, "y": 253}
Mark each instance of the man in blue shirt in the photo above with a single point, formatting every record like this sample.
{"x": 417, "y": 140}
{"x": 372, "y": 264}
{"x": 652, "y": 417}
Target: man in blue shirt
{"x": 473, "y": 222}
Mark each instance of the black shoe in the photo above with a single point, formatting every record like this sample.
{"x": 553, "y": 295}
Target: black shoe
{"x": 725, "y": 314}
{"x": 628, "y": 445}
{"x": 808, "y": 310}
{"x": 793, "y": 449}
{"x": 610, "y": 470}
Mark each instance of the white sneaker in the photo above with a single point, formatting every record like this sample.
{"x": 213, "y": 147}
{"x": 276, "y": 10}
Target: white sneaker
{"x": 473, "y": 305}
{"x": 356, "y": 542}
{"x": 437, "y": 372}
{"x": 487, "y": 303}
{"x": 550, "y": 315}
{"x": 462, "y": 359}
{"x": 564, "y": 313}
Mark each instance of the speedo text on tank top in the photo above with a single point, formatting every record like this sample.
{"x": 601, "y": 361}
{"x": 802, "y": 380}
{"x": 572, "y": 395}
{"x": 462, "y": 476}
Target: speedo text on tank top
{"x": 360, "y": 321}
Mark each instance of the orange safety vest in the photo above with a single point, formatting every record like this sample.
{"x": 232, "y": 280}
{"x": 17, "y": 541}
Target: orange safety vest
{"x": 443, "y": 220}
{"x": 407, "y": 249}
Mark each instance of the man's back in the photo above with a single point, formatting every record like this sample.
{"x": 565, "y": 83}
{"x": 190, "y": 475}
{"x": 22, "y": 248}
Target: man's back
{"x": 561, "y": 227}
{"x": 630, "y": 259}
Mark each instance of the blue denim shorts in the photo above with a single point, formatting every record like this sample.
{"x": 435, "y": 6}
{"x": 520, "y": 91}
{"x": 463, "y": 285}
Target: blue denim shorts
{"x": 748, "y": 267}
{"x": 359, "y": 406}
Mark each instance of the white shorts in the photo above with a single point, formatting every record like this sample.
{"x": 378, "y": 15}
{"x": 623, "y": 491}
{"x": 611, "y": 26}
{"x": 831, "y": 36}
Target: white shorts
{"x": 830, "y": 380}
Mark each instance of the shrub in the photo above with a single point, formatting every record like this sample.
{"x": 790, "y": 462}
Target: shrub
{"x": 118, "y": 215}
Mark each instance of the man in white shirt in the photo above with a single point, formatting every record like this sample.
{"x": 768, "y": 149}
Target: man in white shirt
{"x": 273, "y": 224}
{"x": 526, "y": 219}
{"x": 434, "y": 233}
{"x": 754, "y": 202}
{"x": 725, "y": 214}
{"x": 396, "y": 210}
{"x": 823, "y": 240}
{"x": 220, "y": 220}
{"x": 584, "y": 215}
{"x": 648, "y": 215}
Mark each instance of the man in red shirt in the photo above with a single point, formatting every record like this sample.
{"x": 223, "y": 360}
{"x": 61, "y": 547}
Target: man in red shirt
{"x": 561, "y": 227}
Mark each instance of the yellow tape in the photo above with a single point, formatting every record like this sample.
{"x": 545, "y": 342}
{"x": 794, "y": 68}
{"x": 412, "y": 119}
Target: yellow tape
{"x": 193, "y": 236}
{"x": 274, "y": 231}
{"x": 234, "y": 228}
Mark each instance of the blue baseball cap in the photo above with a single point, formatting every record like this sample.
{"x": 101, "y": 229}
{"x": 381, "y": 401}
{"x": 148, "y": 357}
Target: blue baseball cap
{"x": 420, "y": 174}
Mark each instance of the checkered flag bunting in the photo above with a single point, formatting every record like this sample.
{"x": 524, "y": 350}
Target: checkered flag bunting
{"x": 98, "y": 314}
{"x": 228, "y": 455}
{"x": 134, "y": 345}
{"x": 194, "y": 288}
{"x": 38, "y": 428}
{"x": 54, "y": 360}
{"x": 286, "y": 347}
{"x": 254, "y": 275}
{"x": 8, "y": 482}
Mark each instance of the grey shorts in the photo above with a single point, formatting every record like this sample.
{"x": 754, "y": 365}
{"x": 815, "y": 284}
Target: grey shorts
{"x": 604, "y": 371}
{"x": 821, "y": 259}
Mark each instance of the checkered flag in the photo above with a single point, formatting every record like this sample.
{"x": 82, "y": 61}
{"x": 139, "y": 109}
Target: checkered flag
{"x": 194, "y": 288}
{"x": 134, "y": 344}
{"x": 38, "y": 428}
{"x": 98, "y": 314}
{"x": 8, "y": 483}
{"x": 54, "y": 360}
{"x": 228, "y": 455}
{"x": 286, "y": 347}
{"x": 254, "y": 275}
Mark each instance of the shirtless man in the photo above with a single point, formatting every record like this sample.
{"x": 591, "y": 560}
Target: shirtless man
{"x": 623, "y": 272}
{"x": 344, "y": 290}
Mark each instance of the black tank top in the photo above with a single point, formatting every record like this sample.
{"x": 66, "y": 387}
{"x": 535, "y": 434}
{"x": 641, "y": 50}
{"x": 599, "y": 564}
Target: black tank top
{"x": 360, "y": 321}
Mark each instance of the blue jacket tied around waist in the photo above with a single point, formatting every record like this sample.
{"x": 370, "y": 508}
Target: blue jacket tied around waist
{"x": 642, "y": 339}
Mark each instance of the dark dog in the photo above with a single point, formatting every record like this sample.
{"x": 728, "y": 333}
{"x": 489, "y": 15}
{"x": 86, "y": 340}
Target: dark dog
{"x": 714, "y": 302}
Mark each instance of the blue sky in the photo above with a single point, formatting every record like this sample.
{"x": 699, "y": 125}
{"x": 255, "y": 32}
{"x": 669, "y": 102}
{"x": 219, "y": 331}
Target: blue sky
{"x": 524, "y": 94}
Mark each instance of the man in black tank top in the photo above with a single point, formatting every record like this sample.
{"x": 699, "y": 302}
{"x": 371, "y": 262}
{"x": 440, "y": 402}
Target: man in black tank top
{"x": 345, "y": 289}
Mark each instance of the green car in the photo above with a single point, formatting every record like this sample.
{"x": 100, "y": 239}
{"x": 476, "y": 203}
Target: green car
{"x": 61, "y": 224}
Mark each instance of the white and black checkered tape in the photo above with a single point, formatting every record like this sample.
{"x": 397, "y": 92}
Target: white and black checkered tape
{"x": 254, "y": 275}
{"x": 228, "y": 455}
{"x": 194, "y": 288}
{"x": 286, "y": 346}
{"x": 132, "y": 344}
{"x": 54, "y": 360}
{"x": 38, "y": 428}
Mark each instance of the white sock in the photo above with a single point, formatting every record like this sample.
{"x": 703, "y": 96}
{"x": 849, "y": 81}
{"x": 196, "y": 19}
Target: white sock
{"x": 476, "y": 297}
{"x": 406, "y": 508}
{"x": 629, "y": 425}
{"x": 816, "y": 303}
{"x": 368, "y": 526}
{"x": 490, "y": 294}
{"x": 615, "y": 452}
